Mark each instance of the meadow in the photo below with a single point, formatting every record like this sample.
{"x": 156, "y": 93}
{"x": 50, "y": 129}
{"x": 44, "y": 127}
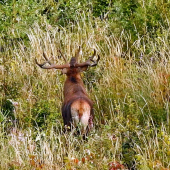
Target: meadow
{"x": 129, "y": 86}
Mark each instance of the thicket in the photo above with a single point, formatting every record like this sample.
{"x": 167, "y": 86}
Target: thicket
{"x": 130, "y": 85}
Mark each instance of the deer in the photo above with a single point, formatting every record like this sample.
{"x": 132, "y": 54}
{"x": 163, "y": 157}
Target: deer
{"x": 77, "y": 107}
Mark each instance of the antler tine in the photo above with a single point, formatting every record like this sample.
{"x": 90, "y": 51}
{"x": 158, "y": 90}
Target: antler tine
{"x": 47, "y": 61}
{"x": 41, "y": 65}
{"x": 90, "y": 62}
{"x": 78, "y": 53}
{"x": 62, "y": 55}
{"x": 45, "y": 56}
{"x": 95, "y": 62}
{"x": 91, "y": 58}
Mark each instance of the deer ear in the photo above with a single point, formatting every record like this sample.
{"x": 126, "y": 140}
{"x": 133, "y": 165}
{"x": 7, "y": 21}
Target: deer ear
{"x": 64, "y": 70}
{"x": 81, "y": 69}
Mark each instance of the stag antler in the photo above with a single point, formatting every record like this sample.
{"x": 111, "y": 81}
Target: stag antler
{"x": 51, "y": 66}
{"x": 62, "y": 55}
{"x": 73, "y": 63}
{"x": 95, "y": 62}
{"x": 78, "y": 53}
{"x": 90, "y": 59}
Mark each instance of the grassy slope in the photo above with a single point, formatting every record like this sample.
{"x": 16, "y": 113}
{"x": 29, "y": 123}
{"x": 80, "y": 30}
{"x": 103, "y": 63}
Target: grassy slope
{"x": 130, "y": 89}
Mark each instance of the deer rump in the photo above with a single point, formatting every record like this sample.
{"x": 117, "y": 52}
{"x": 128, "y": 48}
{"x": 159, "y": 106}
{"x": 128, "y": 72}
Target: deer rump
{"x": 78, "y": 111}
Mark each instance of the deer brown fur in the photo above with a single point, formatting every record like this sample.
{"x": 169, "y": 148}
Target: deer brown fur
{"x": 77, "y": 106}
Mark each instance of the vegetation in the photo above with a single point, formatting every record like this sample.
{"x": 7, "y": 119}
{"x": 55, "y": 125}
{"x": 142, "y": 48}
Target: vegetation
{"x": 130, "y": 86}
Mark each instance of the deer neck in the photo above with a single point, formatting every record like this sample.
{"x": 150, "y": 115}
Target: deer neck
{"x": 74, "y": 86}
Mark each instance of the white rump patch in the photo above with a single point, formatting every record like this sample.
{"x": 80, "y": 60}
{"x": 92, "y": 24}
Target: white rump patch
{"x": 80, "y": 113}
{"x": 75, "y": 116}
{"x": 84, "y": 120}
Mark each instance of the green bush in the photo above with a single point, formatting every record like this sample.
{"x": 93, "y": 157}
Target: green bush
{"x": 43, "y": 115}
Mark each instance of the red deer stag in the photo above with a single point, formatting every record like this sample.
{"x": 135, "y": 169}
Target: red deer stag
{"x": 77, "y": 106}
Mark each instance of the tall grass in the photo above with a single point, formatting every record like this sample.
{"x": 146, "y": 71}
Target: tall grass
{"x": 129, "y": 87}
